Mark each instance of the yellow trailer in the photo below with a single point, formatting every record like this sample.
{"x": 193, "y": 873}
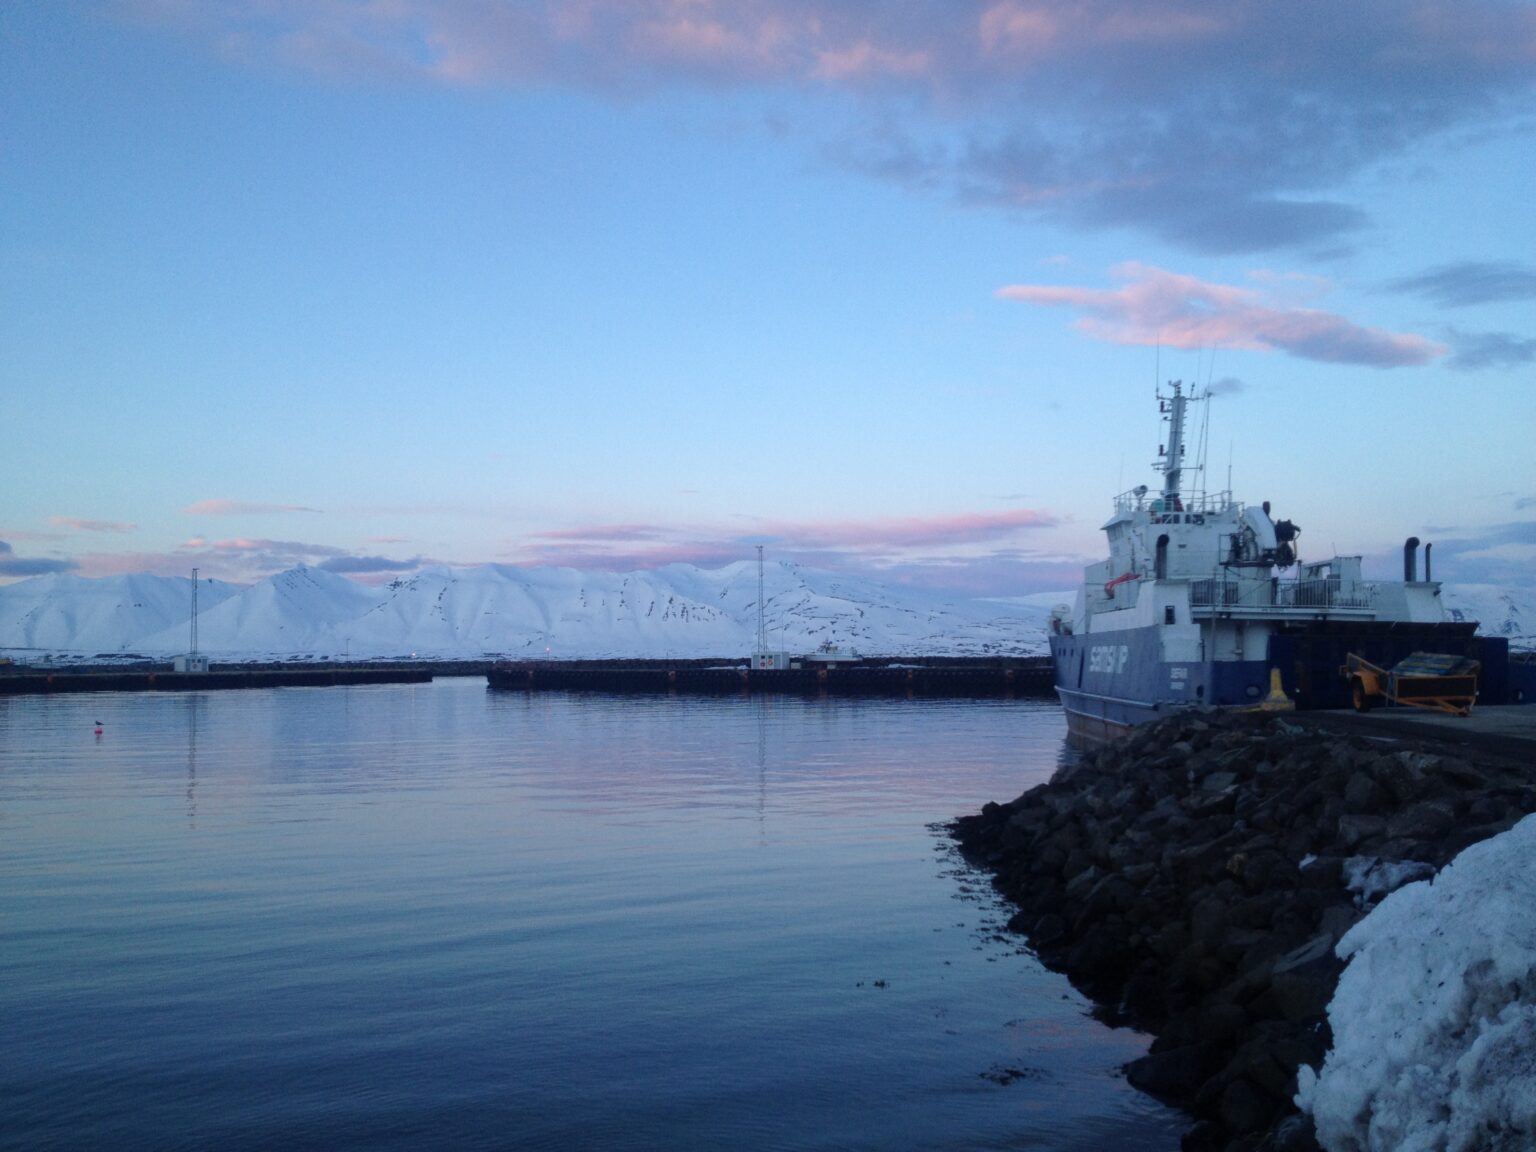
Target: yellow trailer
{"x": 1430, "y": 680}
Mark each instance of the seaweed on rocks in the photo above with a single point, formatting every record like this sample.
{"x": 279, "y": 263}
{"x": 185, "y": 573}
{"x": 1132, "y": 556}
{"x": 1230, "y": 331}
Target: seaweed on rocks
{"x": 1195, "y": 877}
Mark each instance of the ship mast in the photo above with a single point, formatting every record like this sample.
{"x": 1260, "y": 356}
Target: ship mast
{"x": 1172, "y": 463}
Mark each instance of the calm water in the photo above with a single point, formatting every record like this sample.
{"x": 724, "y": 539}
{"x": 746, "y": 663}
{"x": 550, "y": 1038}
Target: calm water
{"x": 436, "y": 916}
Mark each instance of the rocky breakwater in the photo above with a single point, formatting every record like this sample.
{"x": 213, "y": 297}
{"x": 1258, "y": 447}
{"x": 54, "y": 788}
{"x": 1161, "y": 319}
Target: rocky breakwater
{"x": 1195, "y": 877}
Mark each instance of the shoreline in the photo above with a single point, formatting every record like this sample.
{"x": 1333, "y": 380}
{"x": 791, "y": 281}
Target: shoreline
{"x": 1194, "y": 879}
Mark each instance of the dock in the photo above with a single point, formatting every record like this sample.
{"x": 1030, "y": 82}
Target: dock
{"x": 1504, "y": 730}
{"x": 978, "y": 679}
{"x": 37, "y": 683}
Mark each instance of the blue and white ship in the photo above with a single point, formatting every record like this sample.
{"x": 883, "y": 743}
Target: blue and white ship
{"x": 1205, "y": 602}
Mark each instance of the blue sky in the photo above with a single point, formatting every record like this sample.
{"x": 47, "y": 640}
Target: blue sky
{"x": 885, "y": 287}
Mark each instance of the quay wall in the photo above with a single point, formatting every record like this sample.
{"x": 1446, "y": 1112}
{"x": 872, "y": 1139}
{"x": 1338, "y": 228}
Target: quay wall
{"x": 916, "y": 681}
{"x": 47, "y": 683}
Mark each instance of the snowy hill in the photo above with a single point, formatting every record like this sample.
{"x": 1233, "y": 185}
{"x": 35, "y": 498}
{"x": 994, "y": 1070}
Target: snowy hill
{"x": 1498, "y": 611}
{"x": 676, "y": 611}
{"x": 65, "y": 613}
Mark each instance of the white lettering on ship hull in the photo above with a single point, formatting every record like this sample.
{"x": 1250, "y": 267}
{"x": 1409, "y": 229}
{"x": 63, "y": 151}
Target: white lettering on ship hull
{"x": 1109, "y": 658}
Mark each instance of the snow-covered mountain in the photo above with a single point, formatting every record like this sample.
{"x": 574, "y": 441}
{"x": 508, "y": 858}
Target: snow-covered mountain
{"x": 469, "y": 613}
{"x": 71, "y": 614}
{"x": 1498, "y": 611}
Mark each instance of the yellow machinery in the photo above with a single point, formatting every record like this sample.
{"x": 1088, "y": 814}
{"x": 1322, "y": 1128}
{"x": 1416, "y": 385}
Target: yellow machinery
{"x": 1423, "y": 680}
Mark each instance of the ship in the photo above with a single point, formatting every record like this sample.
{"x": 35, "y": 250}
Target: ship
{"x": 1205, "y": 602}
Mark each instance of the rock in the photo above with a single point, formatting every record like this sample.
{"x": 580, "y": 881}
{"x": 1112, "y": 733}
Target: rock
{"x": 1302, "y": 982}
{"x": 1171, "y": 1075}
{"x": 1363, "y": 795}
{"x": 1354, "y": 829}
{"x": 1205, "y": 1136}
{"x": 1426, "y": 820}
{"x": 1245, "y": 1108}
{"x": 1194, "y": 876}
{"x": 1220, "y": 1023}
{"x": 1218, "y": 781}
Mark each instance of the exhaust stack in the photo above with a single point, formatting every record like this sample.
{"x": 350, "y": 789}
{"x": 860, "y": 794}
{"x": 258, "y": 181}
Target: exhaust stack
{"x": 1411, "y": 560}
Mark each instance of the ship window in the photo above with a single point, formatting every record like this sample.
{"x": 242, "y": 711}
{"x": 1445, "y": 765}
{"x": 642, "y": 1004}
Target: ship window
{"x": 1168, "y": 615}
{"x": 1161, "y": 564}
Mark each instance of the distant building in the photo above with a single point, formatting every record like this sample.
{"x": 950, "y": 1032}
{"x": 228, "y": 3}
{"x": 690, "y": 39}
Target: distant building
{"x": 193, "y": 662}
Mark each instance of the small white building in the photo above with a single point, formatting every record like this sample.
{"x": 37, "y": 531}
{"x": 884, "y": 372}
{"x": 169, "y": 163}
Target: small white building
{"x": 193, "y": 662}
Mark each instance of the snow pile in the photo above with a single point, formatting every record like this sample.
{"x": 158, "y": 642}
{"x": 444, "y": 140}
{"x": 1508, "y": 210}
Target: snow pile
{"x": 1371, "y": 878}
{"x": 1434, "y": 1021}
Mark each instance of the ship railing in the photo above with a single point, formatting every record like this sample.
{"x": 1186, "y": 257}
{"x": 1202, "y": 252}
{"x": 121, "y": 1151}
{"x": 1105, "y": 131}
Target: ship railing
{"x": 1215, "y": 593}
{"x": 1327, "y": 592}
{"x": 1205, "y": 504}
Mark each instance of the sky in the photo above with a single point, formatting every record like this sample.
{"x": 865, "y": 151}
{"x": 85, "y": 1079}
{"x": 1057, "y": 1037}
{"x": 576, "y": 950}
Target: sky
{"x": 885, "y": 287}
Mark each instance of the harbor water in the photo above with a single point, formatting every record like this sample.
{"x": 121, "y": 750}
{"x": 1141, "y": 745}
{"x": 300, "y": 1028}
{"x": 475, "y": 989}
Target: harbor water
{"x": 433, "y": 915}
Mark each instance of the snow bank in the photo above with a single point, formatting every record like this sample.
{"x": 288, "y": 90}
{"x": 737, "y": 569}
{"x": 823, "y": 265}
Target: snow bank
{"x": 1434, "y": 1023}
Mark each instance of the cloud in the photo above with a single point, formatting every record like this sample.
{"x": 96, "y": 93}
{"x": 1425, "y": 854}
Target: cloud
{"x": 80, "y": 525}
{"x": 838, "y": 545}
{"x": 1155, "y": 307}
{"x": 241, "y": 508}
{"x": 1471, "y": 282}
{"x": 1217, "y": 126}
{"x": 1478, "y": 350}
{"x": 241, "y": 559}
{"x": 603, "y": 533}
{"x": 1497, "y": 554}
{"x": 1227, "y": 385}
{"x": 911, "y": 532}
{"x": 359, "y": 565}
{"x": 14, "y": 565}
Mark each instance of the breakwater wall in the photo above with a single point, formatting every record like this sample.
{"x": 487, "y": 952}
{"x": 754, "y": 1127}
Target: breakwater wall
{"x": 1195, "y": 877}
{"x": 1025, "y": 677}
{"x": 42, "y": 683}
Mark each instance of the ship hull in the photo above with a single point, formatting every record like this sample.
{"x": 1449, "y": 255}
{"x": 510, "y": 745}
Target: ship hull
{"x": 1110, "y": 682}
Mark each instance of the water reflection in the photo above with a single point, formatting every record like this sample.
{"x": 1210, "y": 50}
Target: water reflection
{"x": 408, "y": 915}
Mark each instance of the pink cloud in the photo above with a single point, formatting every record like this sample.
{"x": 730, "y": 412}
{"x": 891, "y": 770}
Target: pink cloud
{"x": 1014, "y": 28}
{"x": 700, "y": 554}
{"x": 1158, "y": 307}
{"x": 94, "y": 564}
{"x": 625, "y": 532}
{"x": 865, "y": 60}
{"x": 288, "y": 548}
{"x": 1221, "y": 128}
{"x": 241, "y": 508}
{"x": 621, "y": 547}
{"x": 715, "y": 43}
{"x": 913, "y": 531}
{"x": 80, "y": 525}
